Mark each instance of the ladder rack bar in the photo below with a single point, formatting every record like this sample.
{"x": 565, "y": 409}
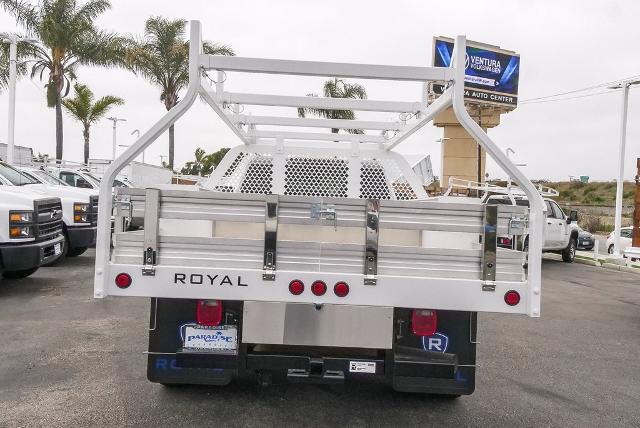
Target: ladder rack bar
{"x": 210, "y": 99}
{"x": 318, "y": 123}
{"x": 321, "y": 102}
{"x": 328, "y": 136}
{"x": 326, "y": 69}
{"x": 443, "y": 102}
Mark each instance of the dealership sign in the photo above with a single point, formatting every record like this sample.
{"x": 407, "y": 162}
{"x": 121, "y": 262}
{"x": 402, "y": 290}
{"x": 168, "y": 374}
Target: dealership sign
{"x": 491, "y": 73}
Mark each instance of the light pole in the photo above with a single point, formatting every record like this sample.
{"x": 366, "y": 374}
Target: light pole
{"x": 623, "y": 140}
{"x": 13, "y": 40}
{"x": 137, "y": 132}
{"x": 115, "y": 120}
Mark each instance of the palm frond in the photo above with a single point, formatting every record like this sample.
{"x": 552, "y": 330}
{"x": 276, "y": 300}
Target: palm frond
{"x": 92, "y": 9}
{"x": 24, "y": 12}
{"x": 162, "y": 56}
{"x": 217, "y": 49}
{"x": 102, "y": 107}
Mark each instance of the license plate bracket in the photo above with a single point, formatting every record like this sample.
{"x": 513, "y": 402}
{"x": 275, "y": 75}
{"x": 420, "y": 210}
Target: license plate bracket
{"x": 203, "y": 338}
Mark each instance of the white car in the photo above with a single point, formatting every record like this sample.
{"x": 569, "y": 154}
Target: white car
{"x": 625, "y": 239}
{"x": 79, "y": 206}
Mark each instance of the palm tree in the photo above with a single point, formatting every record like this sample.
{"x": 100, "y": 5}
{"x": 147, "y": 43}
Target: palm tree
{"x": 87, "y": 112}
{"x": 68, "y": 38}
{"x": 337, "y": 88}
{"x": 162, "y": 57}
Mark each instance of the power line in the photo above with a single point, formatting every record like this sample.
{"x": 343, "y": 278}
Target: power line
{"x": 588, "y": 88}
{"x": 565, "y": 98}
{"x": 570, "y": 98}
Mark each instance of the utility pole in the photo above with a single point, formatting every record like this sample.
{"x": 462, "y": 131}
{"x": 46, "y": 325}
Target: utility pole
{"x": 635, "y": 242}
{"x": 115, "y": 120}
{"x": 621, "y": 153}
{"x": 13, "y": 40}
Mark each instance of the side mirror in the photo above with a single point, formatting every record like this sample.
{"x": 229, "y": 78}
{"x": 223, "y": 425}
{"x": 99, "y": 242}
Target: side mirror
{"x": 573, "y": 217}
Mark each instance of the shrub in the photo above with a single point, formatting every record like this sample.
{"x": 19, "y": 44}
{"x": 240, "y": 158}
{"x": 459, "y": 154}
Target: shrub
{"x": 591, "y": 223}
{"x": 568, "y": 195}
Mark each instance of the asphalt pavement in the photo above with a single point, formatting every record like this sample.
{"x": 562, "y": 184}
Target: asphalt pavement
{"x": 69, "y": 360}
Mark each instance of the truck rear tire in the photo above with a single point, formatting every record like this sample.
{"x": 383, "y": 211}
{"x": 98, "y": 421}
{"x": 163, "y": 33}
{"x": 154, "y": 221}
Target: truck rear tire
{"x": 18, "y": 274}
{"x": 569, "y": 253}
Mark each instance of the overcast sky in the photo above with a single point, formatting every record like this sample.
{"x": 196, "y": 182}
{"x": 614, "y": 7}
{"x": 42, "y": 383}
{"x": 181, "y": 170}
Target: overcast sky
{"x": 564, "y": 45}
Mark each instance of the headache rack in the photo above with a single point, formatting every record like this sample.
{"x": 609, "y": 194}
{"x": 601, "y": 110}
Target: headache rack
{"x": 293, "y": 204}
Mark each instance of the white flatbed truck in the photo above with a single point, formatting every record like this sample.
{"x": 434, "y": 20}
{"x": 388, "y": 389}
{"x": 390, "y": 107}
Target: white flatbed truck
{"x": 317, "y": 256}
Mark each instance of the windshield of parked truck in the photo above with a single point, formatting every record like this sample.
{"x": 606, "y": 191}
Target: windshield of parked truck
{"x": 15, "y": 177}
{"x": 43, "y": 177}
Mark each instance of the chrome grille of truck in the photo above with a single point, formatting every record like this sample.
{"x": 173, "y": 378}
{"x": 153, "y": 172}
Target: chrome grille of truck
{"x": 93, "y": 209}
{"x": 48, "y": 218}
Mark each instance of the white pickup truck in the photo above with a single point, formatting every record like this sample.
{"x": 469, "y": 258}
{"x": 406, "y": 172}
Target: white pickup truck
{"x": 30, "y": 230}
{"x": 317, "y": 256}
{"x": 560, "y": 231}
{"x": 79, "y": 209}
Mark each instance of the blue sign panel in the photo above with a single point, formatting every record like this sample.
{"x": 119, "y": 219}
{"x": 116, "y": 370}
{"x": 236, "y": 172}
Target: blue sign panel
{"x": 490, "y": 76}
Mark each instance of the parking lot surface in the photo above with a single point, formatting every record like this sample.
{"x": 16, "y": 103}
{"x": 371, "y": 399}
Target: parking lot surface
{"x": 69, "y": 360}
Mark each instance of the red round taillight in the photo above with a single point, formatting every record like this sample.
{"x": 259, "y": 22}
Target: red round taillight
{"x": 296, "y": 287}
{"x": 341, "y": 289}
{"x": 123, "y": 280}
{"x": 512, "y": 297}
{"x": 318, "y": 288}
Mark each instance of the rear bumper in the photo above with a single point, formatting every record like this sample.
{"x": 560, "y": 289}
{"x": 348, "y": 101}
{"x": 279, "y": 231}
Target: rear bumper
{"x": 429, "y": 375}
{"x": 406, "y": 366}
{"x": 30, "y": 255}
{"x": 81, "y": 237}
{"x": 586, "y": 244}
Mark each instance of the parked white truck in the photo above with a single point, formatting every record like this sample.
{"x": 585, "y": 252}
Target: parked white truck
{"x": 30, "y": 230}
{"x": 79, "y": 209}
{"x": 312, "y": 255}
{"x": 560, "y": 233}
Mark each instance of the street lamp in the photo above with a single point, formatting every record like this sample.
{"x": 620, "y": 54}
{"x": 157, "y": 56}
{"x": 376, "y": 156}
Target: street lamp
{"x": 115, "y": 120}
{"x": 623, "y": 137}
{"x": 13, "y": 40}
{"x": 137, "y": 132}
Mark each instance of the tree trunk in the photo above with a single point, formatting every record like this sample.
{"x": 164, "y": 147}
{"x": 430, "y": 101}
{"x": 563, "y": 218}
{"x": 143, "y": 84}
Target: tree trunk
{"x": 58, "y": 125}
{"x": 171, "y": 146}
{"x": 85, "y": 134}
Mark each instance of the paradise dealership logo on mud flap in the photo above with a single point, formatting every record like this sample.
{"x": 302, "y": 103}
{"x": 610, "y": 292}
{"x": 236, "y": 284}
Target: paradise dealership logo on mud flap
{"x": 475, "y": 62}
{"x": 214, "y": 337}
